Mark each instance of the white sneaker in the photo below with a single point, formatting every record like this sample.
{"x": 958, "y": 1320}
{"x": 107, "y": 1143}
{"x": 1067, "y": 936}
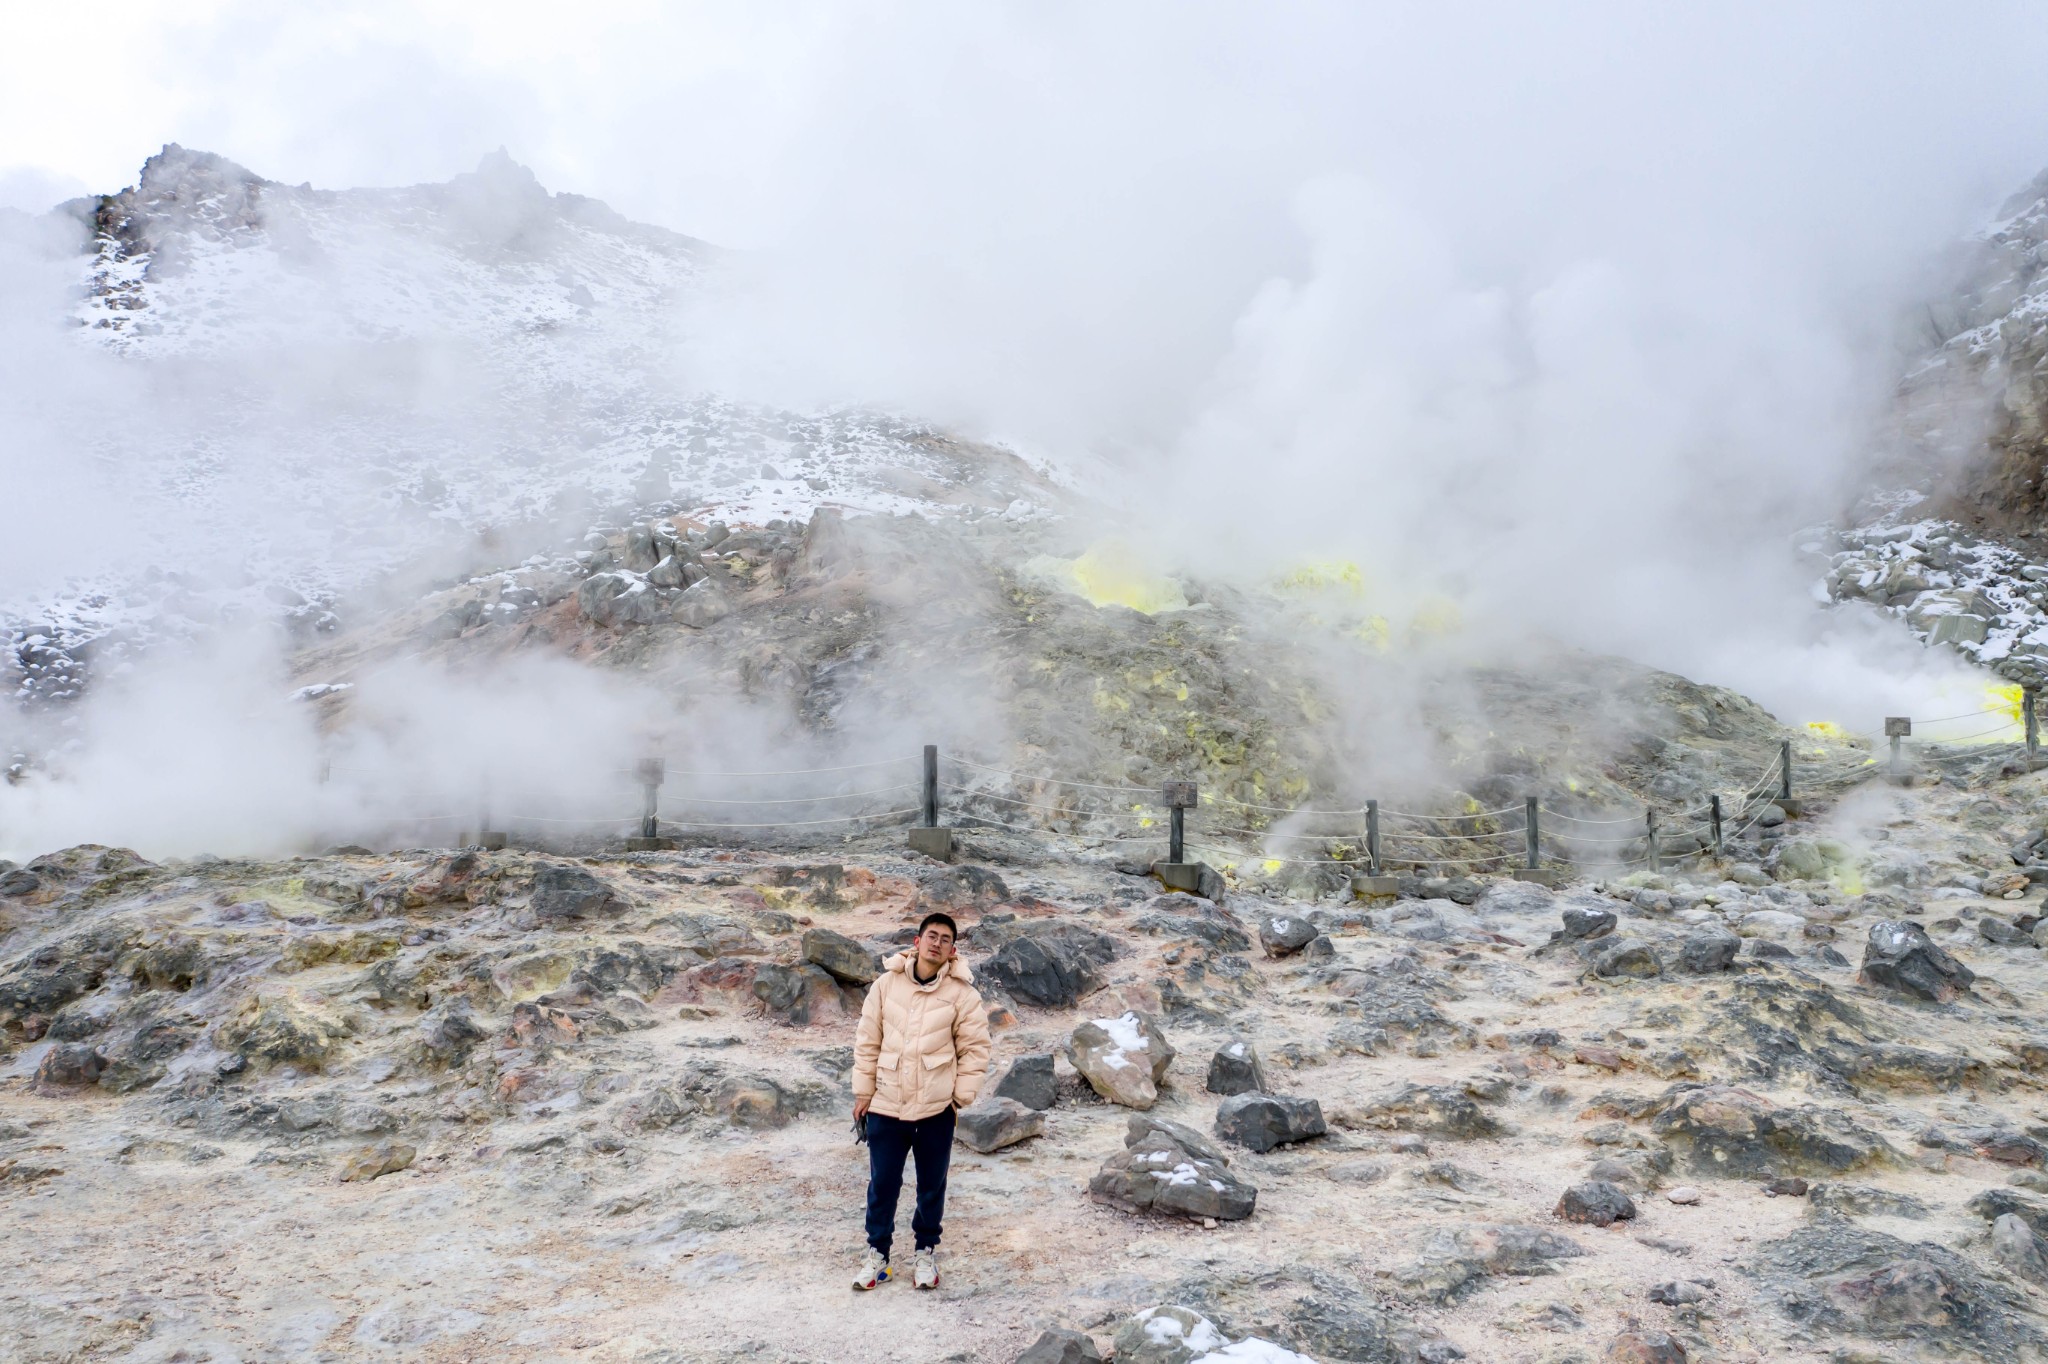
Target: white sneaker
{"x": 874, "y": 1271}
{"x": 925, "y": 1272}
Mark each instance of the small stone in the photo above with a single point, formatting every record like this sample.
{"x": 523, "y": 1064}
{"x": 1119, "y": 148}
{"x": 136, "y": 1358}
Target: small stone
{"x": 1595, "y": 1203}
{"x": 1644, "y": 1347}
{"x": 373, "y": 1162}
{"x": 1408, "y": 1144}
{"x": 991, "y": 1124}
{"x": 1061, "y": 1346}
{"x": 1285, "y": 934}
{"x": 1356, "y": 1172}
{"x": 1580, "y": 922}
{"x": 1236, "y": 1069}
{"x": 1685, "y": 1195}
{"x": 1678, "y": 1293}
{"x": 1789, "y": 1187}
{"x": 1319, "y": 948}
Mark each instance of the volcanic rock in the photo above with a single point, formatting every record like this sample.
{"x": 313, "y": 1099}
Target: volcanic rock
{"x": 1285, "y": 934}
{"x": 1628, "y": 957}
{"x": 1053, "y": 964}
{"x": 1166, "y": 1335}
{"x": 848, "y": 961}
{"x": 373, "y": 1162}
{"x": 1901, "y": 957}
{"x": 1122, "y": 1058}
{"x": 798, "y": 994}
{"x": 1061, "y": 1346}
{"x": 1708, "y": 951}
{"x": 561, "y": 893}
{"x": 991, "y": 1123}
{"x": 1236, "y": 1069}
{"x": 1264, "y": 1121}
{"x": 69, "y": 1065}
{"x": 1583, "y": 922}
{"x": 1170, "y": 1168}
{"x": 1029, "y": 1080}
{"x": 1455, "y": 1260}
{"x": 1734, "y": 1133}
{"x": 1596, "y": 1203}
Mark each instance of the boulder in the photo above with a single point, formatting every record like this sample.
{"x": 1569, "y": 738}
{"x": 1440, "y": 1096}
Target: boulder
{"x": 1993, "y": 929}
{"x": 798, "y": 994}
{"x": 1122, "y": 1058}
{"x": 1442, "y": 1110}
{"x": 1456, "y": 1260}
{"x": 1901, "y": 957}
{"x": 20, "y": 881}
{"x": 1166, "y": 1335}
{"x": 373, "y": 1162}
{"x": 1801, "y": 859}
{"x": 283, "y": 1029}
{"x": 1734, "y": 1133}
{"x": 1169, "y": 1168}
{"x": 1061, "y": 1346}
{"x": 992, "y": 1123}
{"x": 2015, "y": 1246}
{"x": 562, "y": 893}
{"x": 1643, "y": 1346}
{"x": 1029, "y": 1080}
{"x": 1628, "y": 958}
{"x": 1236, "y": 1069}
{"x": 1264, "y": 1121}
{"x": 701, "y": 604}
{"x": 69, "y": 1065}
{"x": 848, "y": 961}
{"x": 1708, "y": 951}
{"x": 1595, "y": 1203}
{"x": 1580, "y": 921}
{"x": 1052, "y": 965}
{"x": 1285, "y": 934}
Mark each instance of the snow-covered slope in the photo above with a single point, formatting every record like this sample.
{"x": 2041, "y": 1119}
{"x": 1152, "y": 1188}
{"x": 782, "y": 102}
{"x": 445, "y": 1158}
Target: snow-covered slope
{"x": 316, "y": 388}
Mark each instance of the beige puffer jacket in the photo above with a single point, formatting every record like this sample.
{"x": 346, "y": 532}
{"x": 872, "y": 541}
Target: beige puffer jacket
{"x": 920, "y": 1047}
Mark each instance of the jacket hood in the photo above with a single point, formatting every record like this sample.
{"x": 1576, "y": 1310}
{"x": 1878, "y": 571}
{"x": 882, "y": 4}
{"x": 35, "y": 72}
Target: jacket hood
{"x": 957, "y": 967}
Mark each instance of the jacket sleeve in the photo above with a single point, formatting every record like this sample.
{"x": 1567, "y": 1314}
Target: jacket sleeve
{"x": 970, "y": 1051}
{"x": 867, "y": 1042}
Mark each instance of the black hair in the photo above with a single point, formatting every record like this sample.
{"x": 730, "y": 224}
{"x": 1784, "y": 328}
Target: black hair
{"x": 937, "y": 918}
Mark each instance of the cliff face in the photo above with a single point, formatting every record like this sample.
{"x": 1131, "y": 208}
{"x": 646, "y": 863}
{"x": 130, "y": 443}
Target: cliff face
{"x": 1974, "y": 406}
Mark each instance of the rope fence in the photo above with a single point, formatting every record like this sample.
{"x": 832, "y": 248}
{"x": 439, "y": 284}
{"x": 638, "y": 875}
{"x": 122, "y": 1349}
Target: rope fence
{"x": 1366, "y": 840}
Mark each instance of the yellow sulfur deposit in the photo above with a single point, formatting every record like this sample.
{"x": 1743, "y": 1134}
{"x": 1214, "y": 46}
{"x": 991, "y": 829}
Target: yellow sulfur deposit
{"x": 1436, "y": 616}
{"x": 1828, "y": 729}
{"x": 1111, "y": 574}
{"x": 1326, "y": 575}
{"x": 1271, "y": 865}
{"x": 2009, "y": 701}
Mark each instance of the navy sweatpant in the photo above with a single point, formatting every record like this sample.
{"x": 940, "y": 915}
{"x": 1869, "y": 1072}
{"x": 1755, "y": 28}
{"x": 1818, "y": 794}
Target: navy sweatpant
{"x": 890, "y": 1140}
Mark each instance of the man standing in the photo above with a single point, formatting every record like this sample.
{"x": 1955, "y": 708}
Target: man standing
{"x": 921, "y": 1053}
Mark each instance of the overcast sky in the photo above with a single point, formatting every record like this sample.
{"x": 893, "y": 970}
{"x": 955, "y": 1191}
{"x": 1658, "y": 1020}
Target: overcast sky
{"x": 744, "y": 122}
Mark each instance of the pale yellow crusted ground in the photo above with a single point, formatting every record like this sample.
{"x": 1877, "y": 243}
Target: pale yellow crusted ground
{"x": 515, "y": 1239}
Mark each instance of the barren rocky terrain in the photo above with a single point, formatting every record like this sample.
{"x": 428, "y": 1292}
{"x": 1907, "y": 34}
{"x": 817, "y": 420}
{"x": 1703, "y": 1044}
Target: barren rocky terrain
{"x": 467, "y": 1105}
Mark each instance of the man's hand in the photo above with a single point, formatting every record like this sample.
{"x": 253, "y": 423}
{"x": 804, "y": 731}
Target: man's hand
{"x": 860, "y": 1107}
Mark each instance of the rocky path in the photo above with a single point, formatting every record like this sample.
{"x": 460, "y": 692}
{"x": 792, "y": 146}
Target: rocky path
{"x": 597, "y": 1109}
